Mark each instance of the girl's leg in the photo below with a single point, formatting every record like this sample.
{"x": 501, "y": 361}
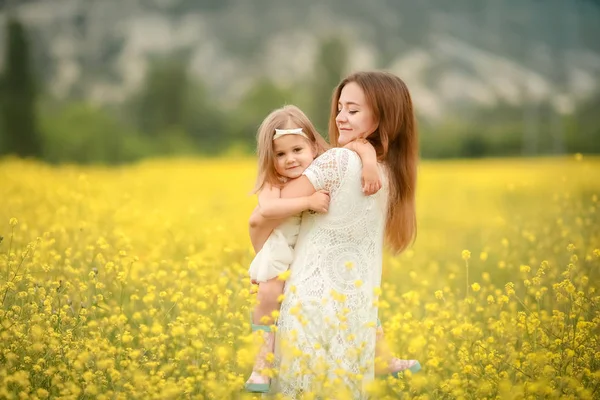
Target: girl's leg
{"x": 383, "y": 353}
{"x": 268, "y": 295}
{"x": 385, "y": 362}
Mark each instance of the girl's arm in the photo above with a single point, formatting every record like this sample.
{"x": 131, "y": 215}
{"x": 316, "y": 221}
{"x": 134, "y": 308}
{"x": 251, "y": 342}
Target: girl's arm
{"x": 260, "y": 228}
{"x": 370, "y": 173}
{"x": 272, "y": 206}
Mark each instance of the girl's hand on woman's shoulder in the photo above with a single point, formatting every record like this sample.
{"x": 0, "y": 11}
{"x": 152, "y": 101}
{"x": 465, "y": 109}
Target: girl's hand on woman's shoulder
{"x": 371, "y": 182}
{"x": 319, "y": 201}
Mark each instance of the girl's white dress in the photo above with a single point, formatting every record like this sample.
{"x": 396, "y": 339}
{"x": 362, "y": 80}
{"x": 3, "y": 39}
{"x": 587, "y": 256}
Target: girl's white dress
{"x": 277, "y": 253}
{"x": 326, "y": 327}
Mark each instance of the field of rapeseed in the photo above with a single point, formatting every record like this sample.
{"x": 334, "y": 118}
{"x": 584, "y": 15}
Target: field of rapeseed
{"x": 130, "y": 282}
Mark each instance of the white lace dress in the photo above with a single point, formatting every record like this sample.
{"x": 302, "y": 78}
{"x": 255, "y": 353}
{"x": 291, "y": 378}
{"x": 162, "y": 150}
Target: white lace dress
{"x": 326, "y": 328}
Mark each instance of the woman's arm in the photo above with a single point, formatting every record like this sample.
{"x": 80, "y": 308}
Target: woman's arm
{"x": 260, "y": 228}
{"x": 298, "y": 187}
{"x": 325, "y": 171}
{"x": 272, "y": 206}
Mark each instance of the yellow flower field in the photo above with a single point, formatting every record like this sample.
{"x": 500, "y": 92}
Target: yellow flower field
{"x": 130, "y": 282}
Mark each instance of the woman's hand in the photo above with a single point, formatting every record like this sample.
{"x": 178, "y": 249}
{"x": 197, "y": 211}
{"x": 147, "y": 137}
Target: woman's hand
{"x": 319, "y": 201}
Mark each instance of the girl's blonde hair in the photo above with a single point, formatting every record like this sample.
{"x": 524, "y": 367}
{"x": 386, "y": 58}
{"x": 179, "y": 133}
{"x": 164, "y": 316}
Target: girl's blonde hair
{"x": 396, "y": 142}
{"x": 284, "y": 117}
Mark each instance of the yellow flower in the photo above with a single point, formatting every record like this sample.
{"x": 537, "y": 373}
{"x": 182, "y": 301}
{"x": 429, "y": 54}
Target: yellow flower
{"x": 13, "y": 222}
{"x": 510, "y": 288}
{"x": 126, "y": 337}
{"x": 270, "y": 357}
{"x": 201, "y": 326}
{"x": 222, "y": 352}
{"x": 284, "y": 275}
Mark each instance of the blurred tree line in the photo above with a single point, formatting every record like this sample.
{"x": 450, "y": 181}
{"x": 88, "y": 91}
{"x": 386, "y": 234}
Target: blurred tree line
{"x": 172, "y": 114}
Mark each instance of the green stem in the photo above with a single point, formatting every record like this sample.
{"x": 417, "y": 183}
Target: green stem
{"x": 12, "y": 233}
{"x": 467, "y": 292}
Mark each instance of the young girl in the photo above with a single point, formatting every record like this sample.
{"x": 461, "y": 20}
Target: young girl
{"x": 287, "y": 144}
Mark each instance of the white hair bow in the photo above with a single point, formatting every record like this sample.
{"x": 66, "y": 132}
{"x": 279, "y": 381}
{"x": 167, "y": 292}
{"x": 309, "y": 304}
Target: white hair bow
{"x": 281, "y": 132}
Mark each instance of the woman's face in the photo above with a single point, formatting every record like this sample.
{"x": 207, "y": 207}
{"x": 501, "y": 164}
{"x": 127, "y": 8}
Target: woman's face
{"x": 355, "y": 117}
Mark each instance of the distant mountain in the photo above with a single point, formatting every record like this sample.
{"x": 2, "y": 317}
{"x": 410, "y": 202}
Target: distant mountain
{"x": 449, "y": 52}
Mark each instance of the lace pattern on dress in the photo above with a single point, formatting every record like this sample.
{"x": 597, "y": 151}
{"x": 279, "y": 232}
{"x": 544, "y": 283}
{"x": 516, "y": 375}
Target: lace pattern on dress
{"x": 327, "y": 318}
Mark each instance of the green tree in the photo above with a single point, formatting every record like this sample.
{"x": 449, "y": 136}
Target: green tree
{"x": 160, "y": 104}
{"x": 204, "y": 121}
{"x": 583, "y": 133}
{"x": 173, "y": 109}
{"x": 264, "y": 97}
{"x": 18, "y": 116}
{"x": 86, "y": 134}
{"x": 330, "y": 67}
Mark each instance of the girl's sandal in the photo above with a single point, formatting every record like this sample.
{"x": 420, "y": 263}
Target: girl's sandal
{"x": 398, "y": 366}
{"x": 258, "y": 383}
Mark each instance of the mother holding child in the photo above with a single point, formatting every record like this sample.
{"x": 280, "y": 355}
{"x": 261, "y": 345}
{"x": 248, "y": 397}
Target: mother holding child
{"x": 319, "y": 232}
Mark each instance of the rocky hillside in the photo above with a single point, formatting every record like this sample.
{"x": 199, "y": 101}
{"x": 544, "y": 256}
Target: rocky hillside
{"x": 450, "y": 53}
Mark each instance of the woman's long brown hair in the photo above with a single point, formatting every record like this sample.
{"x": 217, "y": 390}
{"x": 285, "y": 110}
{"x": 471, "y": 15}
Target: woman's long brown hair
{"x": 396, "y": 143}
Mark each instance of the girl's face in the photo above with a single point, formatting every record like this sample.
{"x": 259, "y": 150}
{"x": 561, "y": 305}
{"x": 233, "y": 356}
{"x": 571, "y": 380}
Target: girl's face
{"x": 293, "y": 154}
{"x": 355, "y": 118}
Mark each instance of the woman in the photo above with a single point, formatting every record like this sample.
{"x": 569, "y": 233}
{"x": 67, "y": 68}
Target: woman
{"x": 327, "y": 323}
